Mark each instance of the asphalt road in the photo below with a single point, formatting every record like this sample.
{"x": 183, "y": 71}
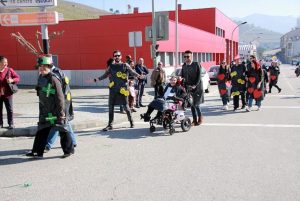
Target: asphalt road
{"x": 233, "y": 156}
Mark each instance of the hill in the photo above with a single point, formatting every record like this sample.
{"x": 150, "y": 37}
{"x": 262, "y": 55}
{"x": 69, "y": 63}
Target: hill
{"x": 70, "y": 10}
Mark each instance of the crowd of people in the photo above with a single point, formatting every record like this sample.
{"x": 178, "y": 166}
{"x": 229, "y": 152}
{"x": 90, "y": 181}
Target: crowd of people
{"x": 244, "y": 81}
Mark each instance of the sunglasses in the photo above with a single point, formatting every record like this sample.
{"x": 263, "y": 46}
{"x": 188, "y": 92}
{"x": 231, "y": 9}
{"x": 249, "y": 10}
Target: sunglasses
{"x": 186, "y": 56}
{"x": 117, "y": 55}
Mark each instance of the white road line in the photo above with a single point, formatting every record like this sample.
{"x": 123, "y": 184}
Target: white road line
{"x": 252, "y": 125}
{"x": 281, "y": 107}
{"x": 288, "y": 83}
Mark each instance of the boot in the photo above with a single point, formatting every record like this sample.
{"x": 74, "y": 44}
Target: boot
{"x": 279, "y": 90}
{"x": 195, "y": 122}
{"x": 200, "y": 120}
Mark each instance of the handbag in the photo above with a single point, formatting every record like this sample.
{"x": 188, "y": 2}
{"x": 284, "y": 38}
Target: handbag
{"x": 13, "y": 87}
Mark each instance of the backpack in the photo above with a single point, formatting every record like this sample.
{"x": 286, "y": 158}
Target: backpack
{"x": 64, "y": 80}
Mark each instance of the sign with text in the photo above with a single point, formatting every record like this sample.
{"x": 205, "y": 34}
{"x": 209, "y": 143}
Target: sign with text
{"x": 28, "y": 19}
{"x": 27, "y": 3}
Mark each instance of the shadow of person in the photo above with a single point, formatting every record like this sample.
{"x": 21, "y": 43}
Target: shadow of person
{"x": 17, "y": 160}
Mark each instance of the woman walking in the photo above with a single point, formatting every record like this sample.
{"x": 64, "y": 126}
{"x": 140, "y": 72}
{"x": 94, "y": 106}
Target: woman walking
{"x": 7, "y": 75}
{"x": 223, "y": 77}
{"x": 255, "y": 86}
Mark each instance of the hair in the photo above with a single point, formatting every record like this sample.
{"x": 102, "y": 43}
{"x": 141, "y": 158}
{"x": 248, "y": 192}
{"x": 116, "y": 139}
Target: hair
{"x": 188, "y": 52}
{"x": 252, "y": 56}
{"x": 2, "y": 58}
{"x": 116, "y": 52}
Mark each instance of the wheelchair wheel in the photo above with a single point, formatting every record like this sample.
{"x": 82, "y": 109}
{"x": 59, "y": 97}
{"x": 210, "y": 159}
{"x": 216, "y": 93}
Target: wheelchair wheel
{"x": 152, "y": 129}
{"x": 186, "y": 124}
{"x": 172, "y": 131}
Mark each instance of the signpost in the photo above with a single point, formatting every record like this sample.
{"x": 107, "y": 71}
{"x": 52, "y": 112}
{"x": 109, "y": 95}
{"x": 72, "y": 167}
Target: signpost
{"x": 26, "y": 3}
{"x": 28, "y": 19}
{"x": 135, "y": 40}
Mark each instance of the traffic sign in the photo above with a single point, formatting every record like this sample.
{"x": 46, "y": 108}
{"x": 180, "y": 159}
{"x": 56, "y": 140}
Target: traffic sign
{"x": 27, "y": 3}
{"x": 28, "y": 19}
{"x": 135, "y": 39}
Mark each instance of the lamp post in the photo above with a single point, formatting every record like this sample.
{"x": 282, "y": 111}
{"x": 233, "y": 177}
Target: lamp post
{"x": 176, "y": 33}
{"x": 153, "y": 35}
{"x": 231, "y": 55}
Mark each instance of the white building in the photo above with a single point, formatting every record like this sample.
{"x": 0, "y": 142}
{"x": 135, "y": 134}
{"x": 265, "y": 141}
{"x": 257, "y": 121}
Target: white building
{"x": 246, "y": 50}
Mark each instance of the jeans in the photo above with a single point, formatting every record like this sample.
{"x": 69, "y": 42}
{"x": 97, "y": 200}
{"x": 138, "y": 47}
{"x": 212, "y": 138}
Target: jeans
{"x": 54, "y": 133}
{"x": 225, "y": 100}
{"x": 196, "y": 111}
{"x": 8, "y": 102}
{"x": 140, "y": 92}
{"x": 250, "y": 101}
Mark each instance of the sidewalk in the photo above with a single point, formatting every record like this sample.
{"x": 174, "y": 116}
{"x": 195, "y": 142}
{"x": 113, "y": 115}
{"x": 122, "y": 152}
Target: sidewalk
{"x": 90, "y": 105}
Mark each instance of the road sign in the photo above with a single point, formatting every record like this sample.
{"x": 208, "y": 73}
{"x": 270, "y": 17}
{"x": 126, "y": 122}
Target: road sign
{"x": 27, "y": 3}
{"x": 162, "y": 27}
{"x": 28, "y": 19}
{"x": 135, "y": 39}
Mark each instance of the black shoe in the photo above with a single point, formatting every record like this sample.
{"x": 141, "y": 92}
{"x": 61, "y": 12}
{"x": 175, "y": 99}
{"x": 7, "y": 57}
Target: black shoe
{"x": 47, "y": 149}
{"x": 141, "y": 105}
{"x": 109, "y": 127}
{"x": 243, "y": 107}
{"x": 146, "y": 117}
{"x": 30, "y": 154}
{"x": 137, "y": 106}
{"x": 279, "y": 90}
{"x": 66, "y": 155}
{"x": 11, "y": 127}
{"x": 269, "y": 92}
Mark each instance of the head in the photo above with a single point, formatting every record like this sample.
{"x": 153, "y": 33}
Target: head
{"x": 255, "y": 64}
{"x": 131, "y": 83}
{"x": 159, "y": 65}
{"x": 223, "y": 64}
{"x": 141, "y": 61}
{"x": 3, "y": 62}
{"x": 274, "y": 63}
{"x": 188, "y": 56}
{"x": 128, "y": 57}
{"x": 45, "y": 64}
{"x": 252, "y": 57}
{"x": 131, "y": 64}
{"x": 117, "y": 56}
{"x": 173, "y": 81}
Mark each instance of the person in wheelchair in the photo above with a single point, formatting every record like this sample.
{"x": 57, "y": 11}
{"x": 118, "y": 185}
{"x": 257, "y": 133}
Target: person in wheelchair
{"x": 173, "y": 92}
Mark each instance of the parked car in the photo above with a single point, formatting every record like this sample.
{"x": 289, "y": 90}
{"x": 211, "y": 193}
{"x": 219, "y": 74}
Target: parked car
{"x": 204, "y": 75}
{"x": 213, "y": 74}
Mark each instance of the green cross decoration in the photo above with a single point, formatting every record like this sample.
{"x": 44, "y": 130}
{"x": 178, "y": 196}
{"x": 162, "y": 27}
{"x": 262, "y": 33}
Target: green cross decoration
{"x": 51, "y": 118}
{"x": 48, "y": 90}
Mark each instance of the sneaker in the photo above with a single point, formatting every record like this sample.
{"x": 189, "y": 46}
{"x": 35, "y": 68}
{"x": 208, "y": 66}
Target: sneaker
{"x": 248, "y": 109}
{"x": 243, "y": 107}
{"x": 141, "y": 105}
{"x": 258, "y": 108}
{"x": 66, "y": 155}
{"x": 235, "y": 109}
{"x": 133, "y": 110}
{"x": 122, "y": 112}
{"x": 109, "y": 127}
{"x": 279, "y": 90}
{"x": 30, "y": 154}
{"x": 137, "y": 106}
{"x": 225, "y": 107}
{"x": 47, "y": 149}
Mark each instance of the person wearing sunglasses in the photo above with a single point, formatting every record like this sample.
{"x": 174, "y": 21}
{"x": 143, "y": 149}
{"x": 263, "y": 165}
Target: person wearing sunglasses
{"x": 118, "y": 73}
{"x": 191, "y": 73}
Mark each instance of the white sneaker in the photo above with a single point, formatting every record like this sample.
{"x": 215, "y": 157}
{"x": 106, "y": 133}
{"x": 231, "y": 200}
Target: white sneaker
{"x": 258, "y": 108}
{"x": 225, "y": 107}
{"x": 248, "y": 109}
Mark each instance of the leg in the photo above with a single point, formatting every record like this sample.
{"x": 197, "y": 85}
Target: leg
{"x": 72, "y": 133}
{"x": 199, "y": 114}
{"x": 236, "y": 102}
{"x": 53, "y": 134}
{"x": 128, "y": 112}
{"x": 270, "y": 87}
{"x": 147, "y": 115}
{"x": 224, "y": 100}
{"x": 141, "y": 94}
{"x": 110, "y": 117}
{"x": 250, "y": 101}
{"x": 9, "y": 108}
{"x": 138, "y": 94}
{"x": 195, "y": 122}
{"x": 277, "y": 87}
{"x": 243, "y": 100}
{"x": 40, "y": 141}
{"x": 66, "y": 143}
{"x": 1, "y": 111}
{"x": 155, "y": 91}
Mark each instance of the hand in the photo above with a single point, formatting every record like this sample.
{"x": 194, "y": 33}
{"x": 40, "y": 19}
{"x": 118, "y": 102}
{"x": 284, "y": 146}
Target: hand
{"x": 95, "y": 79}
{"x": 9, "y": 80}
{"x": 142, "y": 76}
{"x": 193, "y": 87}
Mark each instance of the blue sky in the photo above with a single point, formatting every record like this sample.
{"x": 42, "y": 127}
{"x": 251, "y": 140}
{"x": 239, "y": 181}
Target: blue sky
{"x": 232, "y": 8}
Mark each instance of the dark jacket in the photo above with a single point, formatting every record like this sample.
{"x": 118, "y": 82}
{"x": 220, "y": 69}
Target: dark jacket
{"x": 255, "y": 76}
{"x": 274, "y": 73}
{"x": 192, "y": 77}
{"x": 223, "y": 76}
{"x": 51, "y": 101}
{"x": 237, "y": 76}
{"x": 142, "y": 70}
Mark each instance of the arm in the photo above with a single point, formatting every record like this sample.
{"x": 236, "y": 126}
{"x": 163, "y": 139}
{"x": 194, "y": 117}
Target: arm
{"x": 199, "y": 77}
{"x": 14, "y": 76}
{"x": 59, "y": 100}
{"x": 134, "y": 73}
{"x": 104, "y": 76}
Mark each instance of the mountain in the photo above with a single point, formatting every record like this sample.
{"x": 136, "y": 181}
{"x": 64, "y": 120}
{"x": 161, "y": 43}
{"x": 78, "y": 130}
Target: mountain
{"x": 70, "y": 10}
{"x": 280, "y": 24}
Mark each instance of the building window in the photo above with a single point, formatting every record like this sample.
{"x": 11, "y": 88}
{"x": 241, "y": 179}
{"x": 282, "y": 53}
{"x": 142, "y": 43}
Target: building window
{"x": 169, "y": 59}
{"x": 203, "y": 57}
{"x": 199, "y": 57}
{"x": 195, "y": 57}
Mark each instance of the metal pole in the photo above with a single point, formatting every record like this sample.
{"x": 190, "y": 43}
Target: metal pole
{"x": 176, "y": 32}
{"x": 231, "y": 42}
{"x": 45, "y": 36}
{"x": 153, "y": 35}
{"x": 134, "y": 54}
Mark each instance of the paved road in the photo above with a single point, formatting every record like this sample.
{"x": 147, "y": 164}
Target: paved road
{"x": 232, "y": 157}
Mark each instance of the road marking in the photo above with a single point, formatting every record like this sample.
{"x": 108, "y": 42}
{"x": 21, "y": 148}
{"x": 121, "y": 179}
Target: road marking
{"x": 252, "y": 125}
{"x": 287, "y": 81}
{"x": 281, "y": 107}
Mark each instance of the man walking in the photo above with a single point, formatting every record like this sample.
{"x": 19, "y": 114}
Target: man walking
{"x": 118, "y": 73}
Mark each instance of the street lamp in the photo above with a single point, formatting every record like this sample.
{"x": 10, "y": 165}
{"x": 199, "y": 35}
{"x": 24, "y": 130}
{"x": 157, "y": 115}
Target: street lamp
{"x": 231, "y": 56}
{"x": 254, "y": 40}
{"x": 176, "y": 33}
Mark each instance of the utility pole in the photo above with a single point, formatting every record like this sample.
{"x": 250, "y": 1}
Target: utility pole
{"x": 45, "y": 35}
{"x": 176, "y": 33}
{"x": 153, "y": 35}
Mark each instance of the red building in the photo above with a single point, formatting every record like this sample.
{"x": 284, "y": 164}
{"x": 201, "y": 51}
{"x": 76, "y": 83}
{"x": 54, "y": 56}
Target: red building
{"x": 87, "y": 44}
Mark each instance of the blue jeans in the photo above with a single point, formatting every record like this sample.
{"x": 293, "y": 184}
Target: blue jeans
{"x": 250, "y": 101}
{"x": 196, "y": 111}
{"x": 54, "y": 133}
